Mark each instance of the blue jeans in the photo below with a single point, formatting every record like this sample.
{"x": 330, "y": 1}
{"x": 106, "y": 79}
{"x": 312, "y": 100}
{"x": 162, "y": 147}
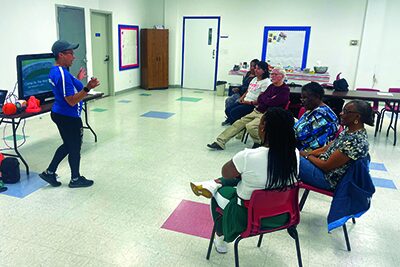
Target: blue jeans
{"x": 312, "y": 175}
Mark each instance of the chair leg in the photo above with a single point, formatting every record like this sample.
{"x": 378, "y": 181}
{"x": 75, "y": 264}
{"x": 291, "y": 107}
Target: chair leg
{"x": 381, "y": 122}
{"x": 237, "y": 251}
{"x": 245, "y": 139}
{"x": 293, "y": 233}
{"x": 378, "y": 120}
{"x": 244, "y": 133}
{"x": 395, "y": 127}
{"x": 303, "y": 199}
{"x": 390, "y": 124}
{"x": 346, "y": 237}
{"x": 211, "y": 242}
{"x": 260, "y": 240}
{"x": 354, "y": 220}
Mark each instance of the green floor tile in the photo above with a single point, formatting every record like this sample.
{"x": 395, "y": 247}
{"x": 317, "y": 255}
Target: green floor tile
{"x": 189, "y": 99}
{"x": 18, "y": 137}
{"x": 99, "y": 109}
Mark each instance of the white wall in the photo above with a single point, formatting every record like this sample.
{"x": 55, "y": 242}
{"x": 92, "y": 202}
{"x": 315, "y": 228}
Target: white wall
{"x": 30, "y": 28}
{"x": 333, "y": 25}
{"x": 144, "y": 13}
{"x": 388, "y": 62}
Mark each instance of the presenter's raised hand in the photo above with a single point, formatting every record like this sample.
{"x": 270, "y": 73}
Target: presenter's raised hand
{"x": 81, "y": 74}
{"x": 93, "y": 83}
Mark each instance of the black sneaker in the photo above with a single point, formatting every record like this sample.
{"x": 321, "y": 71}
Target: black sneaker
{"x": 215, "y": 146}
{"x": 50, "y": 178}
{"x": 256, "y": 145}
{"x": 224, "y": 123}
{"x": 80, "y": 182}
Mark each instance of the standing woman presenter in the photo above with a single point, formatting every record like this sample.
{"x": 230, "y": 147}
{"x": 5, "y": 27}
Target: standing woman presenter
{"x": 66, "y": 114}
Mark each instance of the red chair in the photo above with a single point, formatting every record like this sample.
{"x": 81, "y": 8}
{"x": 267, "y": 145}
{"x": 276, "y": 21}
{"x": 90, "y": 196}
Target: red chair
{"x": 301, "y": 112}
{"x": 391, "y": 107}
{"x": 375, "y": 107}
{"x": 246, "y": 134}
{"x": 265, "y": 204}
{"x": 307, "y": 188}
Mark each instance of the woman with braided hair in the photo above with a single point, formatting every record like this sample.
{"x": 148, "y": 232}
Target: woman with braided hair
{"x": 274, "y": 165}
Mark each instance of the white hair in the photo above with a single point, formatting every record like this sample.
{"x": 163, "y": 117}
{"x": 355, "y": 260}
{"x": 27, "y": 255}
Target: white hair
{"x": 281, "y": 71}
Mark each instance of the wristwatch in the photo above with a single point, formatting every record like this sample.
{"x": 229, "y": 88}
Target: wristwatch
{"x": 86, "y": 89}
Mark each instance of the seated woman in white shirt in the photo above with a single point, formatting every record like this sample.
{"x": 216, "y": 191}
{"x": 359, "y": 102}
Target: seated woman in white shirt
{"x": 274, "y": 165}
{"x": 245, "y": 105}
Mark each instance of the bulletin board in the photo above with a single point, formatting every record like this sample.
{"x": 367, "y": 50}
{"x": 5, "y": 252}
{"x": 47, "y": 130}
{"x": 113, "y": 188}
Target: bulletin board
{"x": 286, "y": 46}
{"x": 128, "y": 43}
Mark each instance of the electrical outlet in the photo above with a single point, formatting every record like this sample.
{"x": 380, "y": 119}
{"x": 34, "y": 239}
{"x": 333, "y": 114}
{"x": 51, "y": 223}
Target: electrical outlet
{"x": 353, "y": 42}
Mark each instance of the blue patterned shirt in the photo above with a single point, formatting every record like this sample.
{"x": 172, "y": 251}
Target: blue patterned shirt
{"x": 316, "y": 128}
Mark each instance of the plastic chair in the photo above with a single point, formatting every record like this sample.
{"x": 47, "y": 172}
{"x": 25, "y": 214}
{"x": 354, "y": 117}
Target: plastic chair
{"x": 375, "y": 107}
{"x": 390, "y": 107}
{"x": 307, "y": 188}
{"x": 301, "y": 112}
{"x": 265, "y": 204}
{"x": 246, "y": 134}
{"x": 340, "y": 129}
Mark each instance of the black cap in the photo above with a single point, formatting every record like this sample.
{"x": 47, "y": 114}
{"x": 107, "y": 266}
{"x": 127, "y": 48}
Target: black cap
{"x": 61, "y": 45}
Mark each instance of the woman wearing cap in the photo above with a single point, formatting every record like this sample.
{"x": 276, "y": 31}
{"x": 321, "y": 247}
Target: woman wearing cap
{"x": 65, "y": 113}
{"x": 245, "y": 105}
{"x": 276, "y": 95}
{"x": 326, "y": 166}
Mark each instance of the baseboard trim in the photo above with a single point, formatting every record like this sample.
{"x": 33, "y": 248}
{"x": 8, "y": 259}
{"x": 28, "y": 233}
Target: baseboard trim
{"x": 127, "y": 90}
{"x": 174, "y": 86}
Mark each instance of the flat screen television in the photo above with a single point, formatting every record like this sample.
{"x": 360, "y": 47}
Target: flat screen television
{"x": 33, "y": 76}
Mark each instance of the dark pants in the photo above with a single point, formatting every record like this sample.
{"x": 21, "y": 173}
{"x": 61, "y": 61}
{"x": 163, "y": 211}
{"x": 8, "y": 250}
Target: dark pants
{"x": 71, "y": 131}
{"x": 237, "y": 111}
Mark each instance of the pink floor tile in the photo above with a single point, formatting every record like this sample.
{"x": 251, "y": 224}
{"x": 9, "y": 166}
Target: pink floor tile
{"x": 191, "y": 218}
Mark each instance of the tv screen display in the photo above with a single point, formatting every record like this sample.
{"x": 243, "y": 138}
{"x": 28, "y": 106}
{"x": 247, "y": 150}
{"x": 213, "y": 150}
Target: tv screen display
{"x": 33, "y": 76}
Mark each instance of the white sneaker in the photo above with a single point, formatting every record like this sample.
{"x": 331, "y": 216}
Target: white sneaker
{"x": 220, "y": 245}
{"x": 206, "y": 189}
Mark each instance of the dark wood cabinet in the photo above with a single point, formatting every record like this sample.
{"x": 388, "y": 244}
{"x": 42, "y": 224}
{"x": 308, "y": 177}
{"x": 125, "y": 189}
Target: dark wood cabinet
{"x": 154, "y": 58}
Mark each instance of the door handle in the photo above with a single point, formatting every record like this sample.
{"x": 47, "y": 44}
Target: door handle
{"x": 107, "y": 58}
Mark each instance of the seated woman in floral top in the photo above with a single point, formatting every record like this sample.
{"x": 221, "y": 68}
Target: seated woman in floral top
{"x": 326, "y": 166}
{"x": 319, "y": 124}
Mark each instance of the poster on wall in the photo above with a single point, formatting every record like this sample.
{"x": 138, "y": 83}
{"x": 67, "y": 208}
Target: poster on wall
{"x": 286, "y": 46}
{"x": 128, "y": 40}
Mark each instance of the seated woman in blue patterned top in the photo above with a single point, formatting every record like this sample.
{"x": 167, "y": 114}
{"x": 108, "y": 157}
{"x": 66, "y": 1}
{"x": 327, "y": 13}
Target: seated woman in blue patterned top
{"x": 319, "y": 124}
{"x": 326, "y": 166}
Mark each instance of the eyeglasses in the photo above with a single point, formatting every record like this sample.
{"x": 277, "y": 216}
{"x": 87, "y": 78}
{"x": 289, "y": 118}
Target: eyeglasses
{"x": 68, "y": 52}
{"x": 345, "y": 111}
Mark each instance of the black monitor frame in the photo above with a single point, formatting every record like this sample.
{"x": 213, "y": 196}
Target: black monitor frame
{"x": 42, "y": 96}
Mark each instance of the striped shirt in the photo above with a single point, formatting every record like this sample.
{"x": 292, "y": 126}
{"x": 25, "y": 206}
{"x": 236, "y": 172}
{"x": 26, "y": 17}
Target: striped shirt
{"x": 64, "y": 84}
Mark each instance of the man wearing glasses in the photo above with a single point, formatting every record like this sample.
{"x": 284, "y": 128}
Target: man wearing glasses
{"x": 65, "y": 113}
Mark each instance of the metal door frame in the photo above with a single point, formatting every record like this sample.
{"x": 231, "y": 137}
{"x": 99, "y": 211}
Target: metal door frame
{"x": 108, "y": 14}
{"x": 57, "y": 6}
{"x": 218, "y": 18}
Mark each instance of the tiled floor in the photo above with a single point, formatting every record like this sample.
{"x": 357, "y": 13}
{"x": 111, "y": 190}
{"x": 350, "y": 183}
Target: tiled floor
{"x": 142, "y": 168}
